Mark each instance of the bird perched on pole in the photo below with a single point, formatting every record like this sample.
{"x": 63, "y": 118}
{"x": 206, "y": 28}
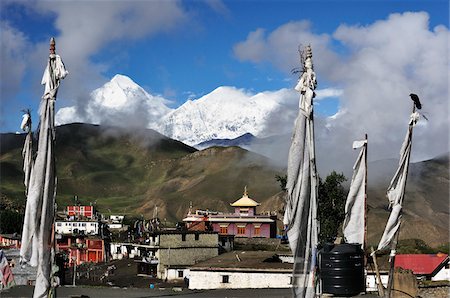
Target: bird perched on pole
{"x": 416, "y": 100}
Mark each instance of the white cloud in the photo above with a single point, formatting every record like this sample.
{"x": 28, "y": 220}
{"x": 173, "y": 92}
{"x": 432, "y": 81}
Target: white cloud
{"x": 85, "y": 28}
{"x": 281, "y": 46}
{"x": 383, "y": 63}
{"x": 327, "y": 92}
{"x": 12, "y": 50}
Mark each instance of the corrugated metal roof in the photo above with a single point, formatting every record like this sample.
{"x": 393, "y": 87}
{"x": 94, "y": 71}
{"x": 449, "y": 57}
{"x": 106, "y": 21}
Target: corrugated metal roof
{"x": 421, "y": 264}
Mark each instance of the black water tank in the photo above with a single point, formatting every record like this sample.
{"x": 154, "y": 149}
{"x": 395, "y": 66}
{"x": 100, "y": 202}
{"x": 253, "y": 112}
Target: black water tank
{"x": 342, "y": 269}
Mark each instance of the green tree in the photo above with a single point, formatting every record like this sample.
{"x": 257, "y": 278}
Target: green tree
{"x": 331, "y": 206}
{"x": 11, "y": 221}
{"x": 282, "y": 180}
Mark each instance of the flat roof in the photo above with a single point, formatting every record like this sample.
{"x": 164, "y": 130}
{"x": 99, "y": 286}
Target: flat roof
{"x": 246, "y": 261}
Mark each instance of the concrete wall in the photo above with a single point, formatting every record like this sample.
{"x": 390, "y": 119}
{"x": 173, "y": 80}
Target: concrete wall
{"x": 182, "y": 257}
{"x": 172, "y": 273}
{"x": 176, "y": 240}
{"x": 444, "y": 274}
{"x": 238, "y": 280}
{"x": 173, "y": 251}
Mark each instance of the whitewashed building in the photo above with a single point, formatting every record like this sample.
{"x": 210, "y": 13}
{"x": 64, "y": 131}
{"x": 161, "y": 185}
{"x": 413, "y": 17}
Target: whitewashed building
{"x": 241, "y": 269}
{"x": 85, "y": 227}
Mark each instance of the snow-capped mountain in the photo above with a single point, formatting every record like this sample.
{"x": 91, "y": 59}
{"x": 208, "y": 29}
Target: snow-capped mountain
{"x": 120, "y": 102}
{"x": 225, "y": 113}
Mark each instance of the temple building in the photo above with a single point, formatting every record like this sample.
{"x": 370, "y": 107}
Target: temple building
{"x": 244, "y": 222}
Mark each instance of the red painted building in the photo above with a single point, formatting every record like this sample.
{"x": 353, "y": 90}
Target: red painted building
{"x": 244, "y": 222}
{"x": 81, "y": 250}
{"x": 81, "y": 211}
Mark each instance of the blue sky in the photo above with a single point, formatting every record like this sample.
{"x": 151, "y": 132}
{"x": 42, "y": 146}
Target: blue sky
{"x": 186, "y": 49}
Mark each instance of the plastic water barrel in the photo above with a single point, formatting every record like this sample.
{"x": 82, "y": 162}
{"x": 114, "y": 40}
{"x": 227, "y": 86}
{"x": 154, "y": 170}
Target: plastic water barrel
{"x": 342, "y": 269}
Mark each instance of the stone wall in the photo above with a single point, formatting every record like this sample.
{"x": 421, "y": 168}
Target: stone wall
{"x": 176, "y": 240}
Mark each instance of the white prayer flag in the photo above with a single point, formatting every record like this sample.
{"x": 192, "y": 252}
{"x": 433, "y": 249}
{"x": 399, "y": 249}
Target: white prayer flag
{"x": 396, "y": 189}
{"x": 39, "y": 213}
{"x": 354, "y": 222}
{"x": 301, "y": 201}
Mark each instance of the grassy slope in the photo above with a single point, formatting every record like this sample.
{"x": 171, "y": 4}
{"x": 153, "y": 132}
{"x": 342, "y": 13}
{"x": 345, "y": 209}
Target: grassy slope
{"x": 132, "y": 173}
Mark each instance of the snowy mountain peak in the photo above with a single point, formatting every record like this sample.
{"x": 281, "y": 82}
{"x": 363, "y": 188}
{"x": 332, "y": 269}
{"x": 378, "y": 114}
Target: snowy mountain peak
{"x": 124, "y": 81}
{"x": 225, "y": 113}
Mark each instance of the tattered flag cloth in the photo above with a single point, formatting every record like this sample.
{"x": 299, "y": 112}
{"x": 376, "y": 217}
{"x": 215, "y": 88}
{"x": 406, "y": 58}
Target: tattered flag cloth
{"x": 396, "y": 189}
{"x": 301, "y": 201}
{"x": 36, "y": 246}
{"x": 6, "y": 275}
{"x": 27, "y": 152}
{"x": 354, "y": 206}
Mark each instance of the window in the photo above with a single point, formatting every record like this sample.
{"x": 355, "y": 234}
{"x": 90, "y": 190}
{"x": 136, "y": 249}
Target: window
{"x": 291, "y": 279}
{"x": 58, "y": 224}
{"x": 223, "y": 230}
{"x": 225, "y": 279}
{"x": 183, "y": 237}
{"x": 241, "y": 230}
{"x": 180, "y": 273}
{"x": 197, "y": 236}
{"x": 257, "y": 231}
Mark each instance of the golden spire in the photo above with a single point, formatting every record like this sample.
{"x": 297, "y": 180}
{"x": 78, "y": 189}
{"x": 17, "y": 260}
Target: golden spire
{"x": 245, "y": 191}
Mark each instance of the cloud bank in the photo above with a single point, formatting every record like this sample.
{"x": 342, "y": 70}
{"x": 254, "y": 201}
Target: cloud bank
{"x": 377, "y": 67}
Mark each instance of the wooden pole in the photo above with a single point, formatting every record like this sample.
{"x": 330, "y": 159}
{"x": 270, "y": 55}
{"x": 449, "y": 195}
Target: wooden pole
{"x": 394, "y": 243}
{"x": 377, "y": 273}
{"x": 365, "y": 212}
{"x": 365, "y": 202}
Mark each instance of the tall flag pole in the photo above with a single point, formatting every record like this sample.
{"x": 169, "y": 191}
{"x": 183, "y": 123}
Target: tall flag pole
{"x": 36, "y": 248}
{"x": 396, "y": 194}
{"x": 354, "y": 226}
{"x": 300, "y": 216}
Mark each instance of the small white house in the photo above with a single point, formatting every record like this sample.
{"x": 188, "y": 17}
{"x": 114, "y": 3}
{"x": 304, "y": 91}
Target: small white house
{"x": 240, "y": 270}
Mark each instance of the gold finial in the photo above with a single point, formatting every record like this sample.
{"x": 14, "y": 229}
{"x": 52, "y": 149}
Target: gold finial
{"x": 245, "y": 191}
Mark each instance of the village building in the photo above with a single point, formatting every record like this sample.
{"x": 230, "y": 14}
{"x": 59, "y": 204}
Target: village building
{"x": 10, "y": 240}
{"x": 115, "y": 222}
{"x": 83, "y": 227}
{"x": 244, "y": 222}
{"x": 168, "y": 254}
{"x": 82, "y": 249}
{"x": 81, "y": 211}
{"x": 242, "y": 269}
{"x": 425, "y": 266}
{"x": 80, "y": 236}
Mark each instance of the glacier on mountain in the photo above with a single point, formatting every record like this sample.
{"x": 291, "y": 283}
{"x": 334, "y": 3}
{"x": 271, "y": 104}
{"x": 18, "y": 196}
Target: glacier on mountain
{"x": 119, "y": 102}
{"x": 226, "y": 112}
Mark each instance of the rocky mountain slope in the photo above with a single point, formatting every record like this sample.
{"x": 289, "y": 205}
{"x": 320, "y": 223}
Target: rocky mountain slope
{"x": 132, "y": 172}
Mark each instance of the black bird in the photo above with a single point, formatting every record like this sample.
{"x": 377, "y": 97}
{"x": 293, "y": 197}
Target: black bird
{"x": 416, "y": 100}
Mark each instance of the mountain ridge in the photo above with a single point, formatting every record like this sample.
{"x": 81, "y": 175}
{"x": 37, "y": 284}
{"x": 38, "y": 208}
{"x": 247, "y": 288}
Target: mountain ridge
{"x": 132, "y": 172}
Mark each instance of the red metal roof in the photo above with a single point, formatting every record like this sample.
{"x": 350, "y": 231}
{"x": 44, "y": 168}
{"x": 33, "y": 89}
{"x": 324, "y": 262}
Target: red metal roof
{"x": 421, "y": 264}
